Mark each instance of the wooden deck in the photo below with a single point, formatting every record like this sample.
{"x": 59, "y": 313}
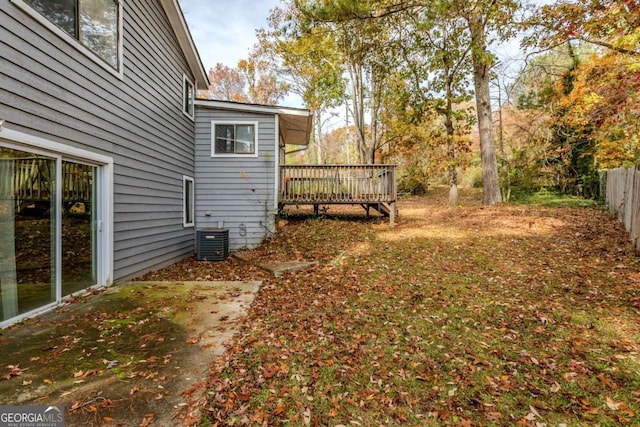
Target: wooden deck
{"x": 371, "y": 186}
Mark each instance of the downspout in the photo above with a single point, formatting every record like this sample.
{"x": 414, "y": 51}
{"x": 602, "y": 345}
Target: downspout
{"x": 276, "y": 184}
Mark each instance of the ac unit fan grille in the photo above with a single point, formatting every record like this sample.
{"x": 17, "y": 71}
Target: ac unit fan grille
{"x": 212, "y": 244}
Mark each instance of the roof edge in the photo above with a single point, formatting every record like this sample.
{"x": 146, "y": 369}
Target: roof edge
{"x": 181, "y": 30}
{"x": 256, "y": 108}
{"x": 295, "y": 124}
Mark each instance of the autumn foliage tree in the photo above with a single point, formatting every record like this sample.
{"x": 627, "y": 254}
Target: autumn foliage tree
{"x": 226, "y": 84}
{"x": 263, "y": 84}
{"x": 308, "y": 61}
{"x": 595, "y": 116}
{"x": 604, "y": 103}
{"x": 609, "y": 24}
{"x": 252, "y": 81}
{"x": 481, "y": 18}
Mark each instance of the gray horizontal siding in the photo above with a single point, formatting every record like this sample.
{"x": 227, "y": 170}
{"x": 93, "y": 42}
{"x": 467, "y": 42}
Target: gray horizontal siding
{"x": 49, "y": 89}
{"x": 239, "y": 191}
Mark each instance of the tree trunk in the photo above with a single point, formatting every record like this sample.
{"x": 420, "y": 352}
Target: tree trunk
{"x": 450, "y": 131}
{"x": 358, "y": 107}
{"x": 453, "y": 189}
{"x": 318, "y": 138}
{"x": 481, "y": 59}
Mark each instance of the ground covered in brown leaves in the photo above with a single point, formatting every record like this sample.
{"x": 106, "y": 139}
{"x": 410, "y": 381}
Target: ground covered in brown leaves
{"x": 472, "y": 316}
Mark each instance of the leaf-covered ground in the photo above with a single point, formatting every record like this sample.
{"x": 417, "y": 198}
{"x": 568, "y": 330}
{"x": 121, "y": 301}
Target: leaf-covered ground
{"x": 473, "y": 316}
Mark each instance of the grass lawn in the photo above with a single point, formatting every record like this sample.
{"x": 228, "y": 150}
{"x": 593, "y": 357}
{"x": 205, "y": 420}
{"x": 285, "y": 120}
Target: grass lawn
{"x": 525, "y": 315}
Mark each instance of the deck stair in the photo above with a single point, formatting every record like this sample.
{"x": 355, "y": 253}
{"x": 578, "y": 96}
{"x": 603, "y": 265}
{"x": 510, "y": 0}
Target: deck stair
{"x": 383, "y": 208}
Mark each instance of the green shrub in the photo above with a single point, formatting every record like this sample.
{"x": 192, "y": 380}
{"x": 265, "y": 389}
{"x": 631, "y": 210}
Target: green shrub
{"x": 472, "y": 177}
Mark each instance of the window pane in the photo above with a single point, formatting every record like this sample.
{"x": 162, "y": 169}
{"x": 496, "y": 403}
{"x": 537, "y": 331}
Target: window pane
{"x": 27, "y": 232}
{"x": 188, "y": 98}
{"x": 224, "y": 139}
{"x": 188, "y": 201}
{"x": 99, "y": 28}
{"x": 78, "y": 227}
{"x": 245, "y": 137}
{"x": 63, "y": 13}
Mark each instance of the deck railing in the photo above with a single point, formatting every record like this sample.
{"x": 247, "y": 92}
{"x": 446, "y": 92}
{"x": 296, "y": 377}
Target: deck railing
{"x": 329, "y": 184}
{"x": 29, "y": 180}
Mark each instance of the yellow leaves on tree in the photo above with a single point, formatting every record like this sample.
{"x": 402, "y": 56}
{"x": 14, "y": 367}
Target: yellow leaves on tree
{"x": 605, "y": 103}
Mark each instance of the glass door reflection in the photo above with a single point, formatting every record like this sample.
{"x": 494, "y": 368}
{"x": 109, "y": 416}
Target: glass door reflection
{"x": 27, "y": 231}
{"x": 79, "y": 230}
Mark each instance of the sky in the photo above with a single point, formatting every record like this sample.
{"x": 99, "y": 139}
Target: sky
{"x": 225, "y": 30}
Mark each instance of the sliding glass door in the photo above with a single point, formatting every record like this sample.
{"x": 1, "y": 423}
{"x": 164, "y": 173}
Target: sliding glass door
{"x": 27, "y": 231}
{"x": 49, "y": 240}
{"x": 78, "y": 226}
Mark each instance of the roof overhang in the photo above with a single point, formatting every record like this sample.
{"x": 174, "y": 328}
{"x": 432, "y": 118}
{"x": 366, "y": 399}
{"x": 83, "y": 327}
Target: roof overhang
{"x": 181, "y": 30}
{"x": 294, "y": 123}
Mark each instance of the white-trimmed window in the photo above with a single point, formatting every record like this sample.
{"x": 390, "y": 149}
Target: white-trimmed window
{"x": 188, "y": 97}
{"x": 234, "y": 138}
{"x": 93, "y": 26}
{"x": 188, "y": 204}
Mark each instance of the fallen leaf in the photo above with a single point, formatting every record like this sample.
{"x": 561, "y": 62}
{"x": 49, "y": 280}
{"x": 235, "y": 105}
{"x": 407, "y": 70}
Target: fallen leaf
{"x": 280, "y": 409}
{"x": 14, "y": 371}
{"x": 612, "y": 404}
{"x": 607, "y": 382}
{"x": 148, "y": 419}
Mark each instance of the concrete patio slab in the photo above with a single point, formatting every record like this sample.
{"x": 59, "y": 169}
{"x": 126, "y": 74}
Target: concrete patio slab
{"x": 279, "y": 268}
{"x": 132, "y": 352}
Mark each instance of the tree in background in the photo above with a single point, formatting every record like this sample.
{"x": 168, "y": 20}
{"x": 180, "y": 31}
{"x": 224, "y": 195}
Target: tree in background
{"x": 539, "y": 89}
{"x": 609, "y": 24}
{"x": 446, "y": 48}
{"x": 367, "y": 50}
{"x": 263, "y": 85}
{"x": 308, "y": 61}
{"x": 525, "y": 107}
{"x": 252, "y": 81}
{"x": 484, "y": 17}
{"x": 225, "y": 84}
{"x": 594, "y": 111}
{"x": 481, "y": 17}
{"x": 603, "y": 103}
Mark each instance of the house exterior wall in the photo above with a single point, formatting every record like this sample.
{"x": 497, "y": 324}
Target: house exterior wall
{"x": 50, "y": 89}
{"x": 237, "y": 191}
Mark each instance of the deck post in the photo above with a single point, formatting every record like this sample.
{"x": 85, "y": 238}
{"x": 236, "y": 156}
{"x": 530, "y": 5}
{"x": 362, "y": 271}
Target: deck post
{"x": 392, "y": 214}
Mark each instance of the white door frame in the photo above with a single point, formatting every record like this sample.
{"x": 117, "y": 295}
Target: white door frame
{"x": 104, "y": 200}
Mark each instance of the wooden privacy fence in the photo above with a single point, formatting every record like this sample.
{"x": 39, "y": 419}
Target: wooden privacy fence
{"x": 372, "y": 186}
{"x": 623, "y": 199}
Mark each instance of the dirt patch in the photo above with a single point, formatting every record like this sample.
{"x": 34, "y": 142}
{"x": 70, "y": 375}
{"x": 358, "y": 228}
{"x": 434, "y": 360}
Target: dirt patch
{"x": 133, "y": 354}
